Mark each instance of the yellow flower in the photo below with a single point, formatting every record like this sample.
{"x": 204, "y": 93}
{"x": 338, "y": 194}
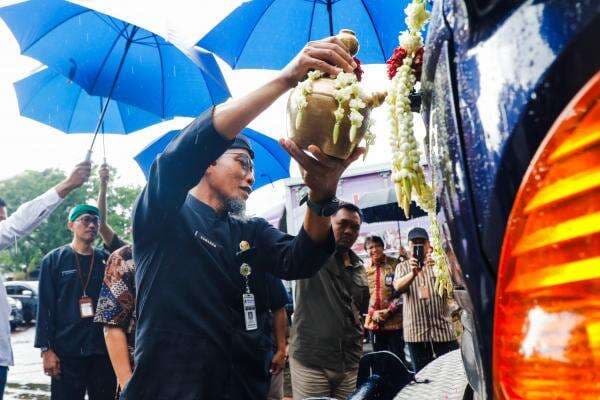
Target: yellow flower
{"x": 416, "y": 16}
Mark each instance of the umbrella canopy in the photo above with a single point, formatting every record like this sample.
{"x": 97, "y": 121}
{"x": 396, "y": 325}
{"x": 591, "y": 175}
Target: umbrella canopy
{"x": 112, "y": 58}
{"x": 271, "y": 162}
{"x": 269, "y": 33}
{"x": 382, "y": 206}
{"x": 50, "y": 98}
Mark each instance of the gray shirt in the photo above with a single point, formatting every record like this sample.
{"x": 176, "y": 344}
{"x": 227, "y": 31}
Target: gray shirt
{"x": 327, "y": 330}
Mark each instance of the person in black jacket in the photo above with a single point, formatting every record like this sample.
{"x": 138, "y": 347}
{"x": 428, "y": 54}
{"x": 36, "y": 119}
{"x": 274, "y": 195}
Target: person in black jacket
{"x": 201, "y": 270}
{"x": 73, "y": 350}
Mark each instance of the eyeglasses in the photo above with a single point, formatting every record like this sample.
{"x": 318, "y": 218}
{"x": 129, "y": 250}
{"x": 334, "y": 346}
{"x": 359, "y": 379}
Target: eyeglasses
{"x": 88, "y": 219}
{"x": 244, "y": 160}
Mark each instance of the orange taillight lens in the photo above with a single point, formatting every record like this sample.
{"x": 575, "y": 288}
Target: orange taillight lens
{"x": 547, "y": 317}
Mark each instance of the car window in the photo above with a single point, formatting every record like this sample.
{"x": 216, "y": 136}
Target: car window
{"x": 10, "y": 290}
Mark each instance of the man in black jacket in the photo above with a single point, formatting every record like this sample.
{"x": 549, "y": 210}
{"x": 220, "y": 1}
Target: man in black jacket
{"x": 200, "y": 271}
{"x": 72, "y": 346}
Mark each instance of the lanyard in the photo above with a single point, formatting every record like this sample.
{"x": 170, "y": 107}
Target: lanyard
{"x": 89, "y": 275}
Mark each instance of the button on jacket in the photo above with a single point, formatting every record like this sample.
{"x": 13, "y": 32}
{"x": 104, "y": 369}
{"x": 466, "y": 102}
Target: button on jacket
{"x": 191, "y": 340}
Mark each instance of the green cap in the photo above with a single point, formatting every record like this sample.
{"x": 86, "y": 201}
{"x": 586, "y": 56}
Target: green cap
{"x": 81, "y": 209}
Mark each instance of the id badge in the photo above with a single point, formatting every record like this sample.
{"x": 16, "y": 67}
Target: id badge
{"x": 86, "y": 307}
{"x": 423, "y": 292}
{"x": 389, "y": 279}
{"x": 250, "y": 312}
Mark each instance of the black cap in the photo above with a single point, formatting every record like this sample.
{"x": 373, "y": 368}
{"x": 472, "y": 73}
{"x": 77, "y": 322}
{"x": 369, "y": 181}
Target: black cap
{"x": 418, "y": 233}
{"x": 242, "y": 142}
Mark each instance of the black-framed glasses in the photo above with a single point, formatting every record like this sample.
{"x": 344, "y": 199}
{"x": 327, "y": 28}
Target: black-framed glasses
{"x": 89, "y": 219}
{"x": 244, "y": 160}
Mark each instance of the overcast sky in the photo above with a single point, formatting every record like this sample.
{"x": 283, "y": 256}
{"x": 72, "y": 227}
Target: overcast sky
{"x": 26, "y": 144}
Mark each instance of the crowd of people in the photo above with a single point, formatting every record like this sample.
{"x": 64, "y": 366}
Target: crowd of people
{"x": 194, "y": 307}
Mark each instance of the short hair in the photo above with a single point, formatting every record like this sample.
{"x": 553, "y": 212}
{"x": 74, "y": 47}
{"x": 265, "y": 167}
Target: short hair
{"x": 2, "y": 202}
{"x": 374, "y": 239}
{"x": 351, "y": 207}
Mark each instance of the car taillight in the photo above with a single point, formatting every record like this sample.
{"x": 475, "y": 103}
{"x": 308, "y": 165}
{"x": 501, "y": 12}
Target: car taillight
{"x": 547, "y": 315}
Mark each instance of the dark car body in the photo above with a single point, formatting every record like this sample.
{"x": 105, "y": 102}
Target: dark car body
{"x": 16, "y": 314}
{"x": 497, "y": 74}
{"x": 27, "y": 293}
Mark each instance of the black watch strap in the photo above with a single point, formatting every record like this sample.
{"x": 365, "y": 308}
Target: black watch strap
{"x": 324, "y": 209}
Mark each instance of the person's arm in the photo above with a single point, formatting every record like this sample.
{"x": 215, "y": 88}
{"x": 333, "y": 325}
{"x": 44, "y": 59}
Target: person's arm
{"x": 31, "y": 214}
{"x": 280, "y": 334}
{"x": 44, "y": 329}
{"x": 403, "y": 279}
{"x": 106, "y": 232}
{"x": 183, "y": 163}
{"x": 116, "y": 344}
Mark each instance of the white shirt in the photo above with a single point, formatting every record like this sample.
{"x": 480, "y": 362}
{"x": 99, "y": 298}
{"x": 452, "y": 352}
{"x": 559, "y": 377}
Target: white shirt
{"x": 27, "y": 217}
{"x": 6, "y": 354}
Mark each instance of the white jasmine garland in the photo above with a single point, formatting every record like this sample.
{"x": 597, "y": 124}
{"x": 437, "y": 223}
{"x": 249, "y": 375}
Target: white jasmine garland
{"x": 305, "y": 89}
{"x": 416, "y": 16}
{"x": 410, "y": 41}
{"x": 347, "y": 94}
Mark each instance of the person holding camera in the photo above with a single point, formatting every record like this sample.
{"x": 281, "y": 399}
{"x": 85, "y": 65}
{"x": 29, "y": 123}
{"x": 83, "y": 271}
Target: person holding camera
{"x": 427, "y": 331}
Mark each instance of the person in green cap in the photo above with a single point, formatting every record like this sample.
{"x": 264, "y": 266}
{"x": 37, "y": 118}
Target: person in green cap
{"x": 72, "y": 345}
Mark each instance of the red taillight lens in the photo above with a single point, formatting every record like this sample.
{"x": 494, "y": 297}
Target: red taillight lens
{"x": 547, "y": 318}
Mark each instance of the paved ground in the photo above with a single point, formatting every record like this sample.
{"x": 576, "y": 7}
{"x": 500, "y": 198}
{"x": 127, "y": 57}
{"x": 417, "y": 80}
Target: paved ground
{"x": 26, "y": 380}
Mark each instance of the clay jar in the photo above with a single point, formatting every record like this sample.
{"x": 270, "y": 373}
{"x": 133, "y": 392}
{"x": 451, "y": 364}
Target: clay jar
{"x": 317, "y": 120}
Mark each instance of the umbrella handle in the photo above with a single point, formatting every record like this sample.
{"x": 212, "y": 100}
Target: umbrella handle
{"x": 88, "y": 156}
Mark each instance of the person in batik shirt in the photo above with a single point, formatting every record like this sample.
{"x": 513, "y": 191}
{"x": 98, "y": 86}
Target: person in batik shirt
{"x": 116, "y": 311}
{"x": 116, "y": 303}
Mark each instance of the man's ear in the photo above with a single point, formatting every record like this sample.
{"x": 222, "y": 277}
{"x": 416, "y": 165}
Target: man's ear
{"x": 70, "y": 225}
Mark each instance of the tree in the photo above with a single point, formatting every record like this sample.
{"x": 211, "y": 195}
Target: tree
{"x": 28, "y": 253}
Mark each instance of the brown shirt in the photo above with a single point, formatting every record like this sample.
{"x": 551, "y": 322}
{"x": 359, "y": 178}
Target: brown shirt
{"x": 380, "y": 278}
{"x": 326, "y": 330}
{"x": 423, "y": 309}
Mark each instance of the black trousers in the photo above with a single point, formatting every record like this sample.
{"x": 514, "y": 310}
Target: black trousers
{"x": 78, "y": 375}
{"x": 422, "y": 353}
{"x": 391, "y": 341}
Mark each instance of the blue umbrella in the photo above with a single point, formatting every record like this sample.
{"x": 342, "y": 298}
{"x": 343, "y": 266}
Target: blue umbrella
{"x": 269, "y": 33}
{"x": 50, "y": 98}
{"x": 271, "y": 162}
{"x": 112, "y": 58}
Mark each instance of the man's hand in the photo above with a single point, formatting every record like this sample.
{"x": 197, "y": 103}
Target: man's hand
{"x": 104, "y": 174}
{"x": 277, "y": 363}
{"x": 321, "y": 173}
{"x": 51, "y": 363}
{"x": 414, "y": 264}
{"x": 328, "y": 55}
{"x": 78, "y": 177}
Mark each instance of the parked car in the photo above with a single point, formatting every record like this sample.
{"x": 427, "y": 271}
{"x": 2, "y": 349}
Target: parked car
{"x": 511, "y": 102}
{"x": 27, "y": 293}
{"x": 16, "y": 313}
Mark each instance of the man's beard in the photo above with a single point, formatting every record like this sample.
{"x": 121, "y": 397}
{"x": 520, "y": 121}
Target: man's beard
{"x": 235, "y": 207}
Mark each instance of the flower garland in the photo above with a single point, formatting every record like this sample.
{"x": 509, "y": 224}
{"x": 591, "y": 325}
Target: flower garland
{"x": 347, "y": 93}
{"x": 403, "y": 67}
{"x": 305, "y": 88}
{"x": 404, "y": 70}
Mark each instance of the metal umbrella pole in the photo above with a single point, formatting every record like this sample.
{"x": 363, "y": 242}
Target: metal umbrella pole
{"x": 88, "y": 156}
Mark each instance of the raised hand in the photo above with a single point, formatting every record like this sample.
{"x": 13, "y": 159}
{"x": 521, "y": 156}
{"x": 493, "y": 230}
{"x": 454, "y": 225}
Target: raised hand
{"x": 328, "y": 55}
{"x": 321, "y": 173}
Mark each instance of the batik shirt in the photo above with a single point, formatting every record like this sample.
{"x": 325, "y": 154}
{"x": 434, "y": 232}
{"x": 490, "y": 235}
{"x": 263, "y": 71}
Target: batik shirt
{"x": 116, "y": 304}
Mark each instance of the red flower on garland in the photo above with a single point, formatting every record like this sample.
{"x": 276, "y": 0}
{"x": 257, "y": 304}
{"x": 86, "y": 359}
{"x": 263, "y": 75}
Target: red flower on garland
{"x": 397, "y": 59}
{"x": 358, "y": 71}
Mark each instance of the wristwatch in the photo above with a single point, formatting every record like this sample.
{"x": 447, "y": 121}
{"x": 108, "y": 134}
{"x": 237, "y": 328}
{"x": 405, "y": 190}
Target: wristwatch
{"x": 324, "y": 209}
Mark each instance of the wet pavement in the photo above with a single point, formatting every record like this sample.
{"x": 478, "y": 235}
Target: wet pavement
{"x": 26, "y": 380}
